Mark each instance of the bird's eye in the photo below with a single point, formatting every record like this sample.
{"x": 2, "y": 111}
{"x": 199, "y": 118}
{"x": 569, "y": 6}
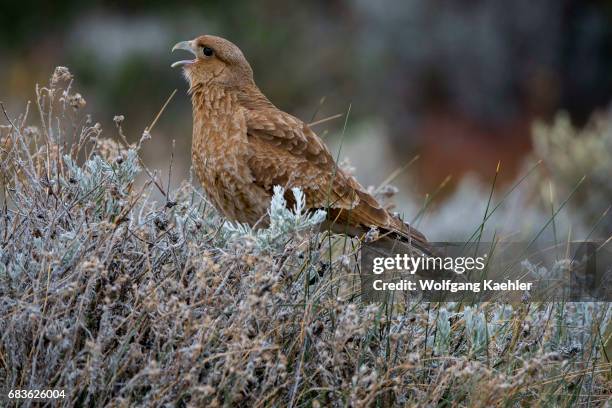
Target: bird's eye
{"x": 207, "y": 51}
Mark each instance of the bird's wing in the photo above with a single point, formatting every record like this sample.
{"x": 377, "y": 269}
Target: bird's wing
{"x": 285, "y": 151}
{"x": 291, "y": 134}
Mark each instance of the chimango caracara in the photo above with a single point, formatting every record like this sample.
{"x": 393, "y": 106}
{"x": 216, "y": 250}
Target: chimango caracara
{"x": 243, "y": 146}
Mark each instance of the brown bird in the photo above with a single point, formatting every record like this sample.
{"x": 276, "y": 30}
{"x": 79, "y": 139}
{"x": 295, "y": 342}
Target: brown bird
{"x": 243, "y": 146}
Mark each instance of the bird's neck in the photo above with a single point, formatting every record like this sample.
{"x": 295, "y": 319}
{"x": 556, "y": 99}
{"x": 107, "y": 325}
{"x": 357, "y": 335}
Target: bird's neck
{"x": 247, "y": 96}
{"x": 212, "y": 100}
{"x": 250, "y": 97}
{"x": 215, "y": 107}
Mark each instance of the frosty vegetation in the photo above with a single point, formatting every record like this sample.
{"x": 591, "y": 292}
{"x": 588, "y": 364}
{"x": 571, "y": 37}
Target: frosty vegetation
{"x": 126, "y": 302}
{"x": 570, "y": 153}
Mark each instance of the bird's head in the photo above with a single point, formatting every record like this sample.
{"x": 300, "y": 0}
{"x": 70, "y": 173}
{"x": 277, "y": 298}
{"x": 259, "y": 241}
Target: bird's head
{"x": 216, "y": 61}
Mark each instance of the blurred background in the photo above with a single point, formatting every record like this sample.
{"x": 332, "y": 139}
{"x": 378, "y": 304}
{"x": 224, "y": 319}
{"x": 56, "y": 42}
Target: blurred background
{"x": 459, "y": 84}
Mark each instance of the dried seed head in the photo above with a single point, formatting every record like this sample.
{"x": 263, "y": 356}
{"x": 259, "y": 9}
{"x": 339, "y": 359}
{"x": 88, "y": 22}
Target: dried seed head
{"x": 372, "y": 235}
{"x": 76, "y": 101}
{"x": 60, "y": 74}
{"x": 118, "y": 119}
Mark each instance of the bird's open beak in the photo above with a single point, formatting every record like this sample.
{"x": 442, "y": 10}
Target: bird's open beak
{"x": 183, "y": 45}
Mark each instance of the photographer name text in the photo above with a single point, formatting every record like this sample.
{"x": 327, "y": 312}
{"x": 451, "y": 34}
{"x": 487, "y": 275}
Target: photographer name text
{"x": 450, "y": 286}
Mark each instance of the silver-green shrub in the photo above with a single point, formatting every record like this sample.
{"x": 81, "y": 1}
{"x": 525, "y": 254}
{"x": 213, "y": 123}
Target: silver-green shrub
{"x": 122, "y": 301}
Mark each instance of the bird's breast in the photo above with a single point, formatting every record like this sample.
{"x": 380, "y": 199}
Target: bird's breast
{"x": 220, "y": 157}
{"x": 219, "y": 140}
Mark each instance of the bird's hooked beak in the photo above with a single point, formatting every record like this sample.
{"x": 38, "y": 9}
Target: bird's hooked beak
{"x": 187, "y": 46}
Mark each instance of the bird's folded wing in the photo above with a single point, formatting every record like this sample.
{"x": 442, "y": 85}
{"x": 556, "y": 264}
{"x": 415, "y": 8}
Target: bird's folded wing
{"x": 289, "y": 133}
{"x": 285, "y": 151}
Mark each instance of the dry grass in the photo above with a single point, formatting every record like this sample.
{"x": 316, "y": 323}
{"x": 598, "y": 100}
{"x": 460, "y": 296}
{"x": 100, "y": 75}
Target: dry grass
{"x": 122, "y": 301}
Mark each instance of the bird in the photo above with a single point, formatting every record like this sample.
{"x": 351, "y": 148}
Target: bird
{"x": 243, "y": 146}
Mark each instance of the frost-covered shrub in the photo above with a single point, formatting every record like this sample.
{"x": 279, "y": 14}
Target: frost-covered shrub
{"x": 570, "y": 154}
{"x": 125, "y": 302}
{"x": 283, "y": 222}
